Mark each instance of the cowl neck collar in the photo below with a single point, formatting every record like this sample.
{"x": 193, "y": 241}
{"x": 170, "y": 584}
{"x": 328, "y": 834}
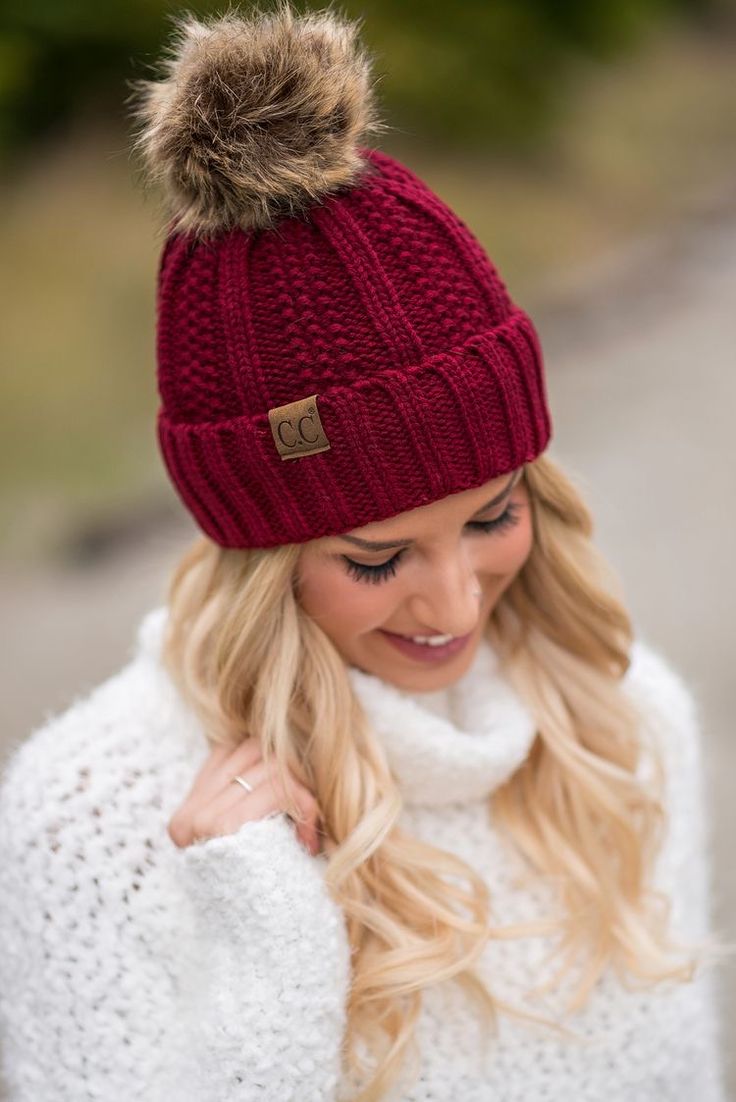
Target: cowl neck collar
{"x": 450, "y": 746}
{"x": 456, "y": 744}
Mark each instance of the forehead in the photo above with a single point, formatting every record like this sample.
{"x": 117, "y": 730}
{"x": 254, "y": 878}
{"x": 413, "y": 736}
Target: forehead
{"x": 444, "y": 510}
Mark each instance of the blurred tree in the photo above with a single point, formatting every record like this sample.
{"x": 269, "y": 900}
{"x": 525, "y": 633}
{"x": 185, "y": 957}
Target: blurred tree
{"x": 475, "y": 72}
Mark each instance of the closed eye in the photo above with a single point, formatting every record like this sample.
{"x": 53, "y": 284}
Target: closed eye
{"x": 380, "y": 572}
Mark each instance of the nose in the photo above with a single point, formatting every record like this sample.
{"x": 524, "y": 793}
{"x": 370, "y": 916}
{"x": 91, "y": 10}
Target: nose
{"x": 448, "y": 600}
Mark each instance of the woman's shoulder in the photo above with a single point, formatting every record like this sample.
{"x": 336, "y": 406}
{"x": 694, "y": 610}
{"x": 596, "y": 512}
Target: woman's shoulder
{"x": 671, "y": 711}
{"x": 128, "y": 735}
{"x": 655, "y": 676}
{"x": 669, "y": 704}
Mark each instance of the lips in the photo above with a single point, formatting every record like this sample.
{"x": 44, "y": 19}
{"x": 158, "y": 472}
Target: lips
{"x": 423, "y": 652}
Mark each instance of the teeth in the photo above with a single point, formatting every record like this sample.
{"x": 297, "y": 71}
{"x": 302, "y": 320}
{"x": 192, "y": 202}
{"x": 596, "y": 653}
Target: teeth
{"x": 432, "y": 640}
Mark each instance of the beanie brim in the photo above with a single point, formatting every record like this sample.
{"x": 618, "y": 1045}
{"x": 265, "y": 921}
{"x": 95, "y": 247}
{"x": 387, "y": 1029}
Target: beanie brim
{"x": 454, "y": 421}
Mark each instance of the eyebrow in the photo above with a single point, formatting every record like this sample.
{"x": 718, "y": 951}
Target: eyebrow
{"x": 386, "y": 545}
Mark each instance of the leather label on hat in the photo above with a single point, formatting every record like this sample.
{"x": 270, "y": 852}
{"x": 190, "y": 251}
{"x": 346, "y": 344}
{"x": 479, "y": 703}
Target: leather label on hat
{"x": 297, "y": 429}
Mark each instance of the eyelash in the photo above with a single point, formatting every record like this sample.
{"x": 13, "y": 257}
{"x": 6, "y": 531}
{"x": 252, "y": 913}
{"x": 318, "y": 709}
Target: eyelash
{"x": 363, "y": 573}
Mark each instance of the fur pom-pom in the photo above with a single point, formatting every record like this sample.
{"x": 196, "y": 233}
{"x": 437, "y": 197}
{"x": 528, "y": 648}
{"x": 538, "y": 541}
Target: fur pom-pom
{"x": 256, "y": 117}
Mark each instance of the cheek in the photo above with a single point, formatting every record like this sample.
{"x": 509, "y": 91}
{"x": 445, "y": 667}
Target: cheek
{"x": 338, "y": 603}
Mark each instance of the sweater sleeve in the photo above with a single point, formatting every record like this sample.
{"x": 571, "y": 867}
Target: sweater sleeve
{"x": 673, "y": 722}
{"x": 132, "y": 969}
{"x": 265, "y": 1002}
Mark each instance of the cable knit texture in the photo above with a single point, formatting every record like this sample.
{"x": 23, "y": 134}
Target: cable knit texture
{"x": 382, "y": 305}
{"x": 130, "y": 969}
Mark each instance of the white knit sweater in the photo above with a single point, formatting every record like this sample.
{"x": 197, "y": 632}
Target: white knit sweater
{"x": 131, "y": 969}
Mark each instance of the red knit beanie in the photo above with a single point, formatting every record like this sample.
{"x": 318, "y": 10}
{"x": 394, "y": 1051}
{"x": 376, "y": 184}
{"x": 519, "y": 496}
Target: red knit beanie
{"x": 334, "y": 345}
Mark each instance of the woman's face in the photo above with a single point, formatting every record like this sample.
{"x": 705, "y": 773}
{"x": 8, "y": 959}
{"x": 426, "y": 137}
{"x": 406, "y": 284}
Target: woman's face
{"x": 422, "y": 580}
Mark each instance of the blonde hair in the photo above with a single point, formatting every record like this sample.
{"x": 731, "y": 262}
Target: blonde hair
{"x": 251, "y": 662}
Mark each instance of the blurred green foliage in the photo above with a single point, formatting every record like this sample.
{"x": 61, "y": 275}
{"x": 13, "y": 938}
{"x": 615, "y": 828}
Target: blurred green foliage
{"x": 471, "y": 72}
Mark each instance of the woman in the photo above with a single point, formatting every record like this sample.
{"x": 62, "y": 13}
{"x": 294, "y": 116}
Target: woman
{"x": 388, "y": 803}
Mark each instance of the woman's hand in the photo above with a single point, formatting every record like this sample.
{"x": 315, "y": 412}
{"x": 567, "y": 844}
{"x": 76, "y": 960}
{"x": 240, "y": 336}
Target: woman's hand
{"x": 217, "y": 805}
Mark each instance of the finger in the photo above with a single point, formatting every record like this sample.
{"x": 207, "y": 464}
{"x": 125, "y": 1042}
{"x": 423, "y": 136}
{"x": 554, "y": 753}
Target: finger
{"x": 211, "y": 822}
{"x": 309, "y": 836}
{"x": 218, "y": 752}
{"x": 309, "y": 818}
{"x": 307, "y": 804}
{"x": 254, "y": 776}
{"x": 261, "y": 776}
{"x": 217, "y": 778}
